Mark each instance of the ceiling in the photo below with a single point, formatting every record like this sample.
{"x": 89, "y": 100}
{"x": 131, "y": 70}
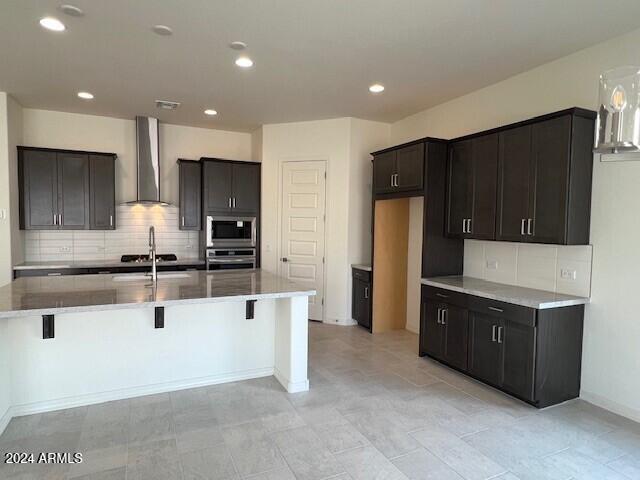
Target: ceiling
{"x": 314, "y": 59}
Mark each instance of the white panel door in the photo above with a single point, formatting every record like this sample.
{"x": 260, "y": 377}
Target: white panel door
{"x": 302, "y": 238}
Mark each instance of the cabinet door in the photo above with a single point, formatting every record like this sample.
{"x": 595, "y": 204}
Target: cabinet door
{"x": 485, "y": 356}
{"x": 410, "y": 167}
{"x": 459, "y": 191}
{"x": 73, "y": 191}
{"x": 246, "y": 188}
{"x": 102, "y": 187}
{"x": 431, "y": 330}
{"x": 456, "y": 332}
{"x": 217, "y": 186}
{"x": 514, "y": 164}
{"x": 361, "y": 302}
{"x": 550, "y": 146}
{"x": 518, "y": 344}
{"x": 190, "y": 195}
{"x": 485, "y": 185}
{"x": 39, "y": 190}
{"x": 384, "y": 167}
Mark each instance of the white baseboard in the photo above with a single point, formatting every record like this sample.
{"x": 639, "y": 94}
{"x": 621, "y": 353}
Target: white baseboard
{"x": 292, "y": 387}
{"x": 610, "y": 405}
{"x": 5, "y": 419}
{"x": 346, "y": 322}
{"x": 93, "y": 398}
{"x": 412, "y": 328}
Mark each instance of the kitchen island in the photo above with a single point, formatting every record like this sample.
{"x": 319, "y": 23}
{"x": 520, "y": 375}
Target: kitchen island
{"x": 75, "y": 340}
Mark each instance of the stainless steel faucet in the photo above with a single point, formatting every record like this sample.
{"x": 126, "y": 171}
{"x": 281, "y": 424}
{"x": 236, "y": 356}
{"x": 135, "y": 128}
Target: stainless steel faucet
{"x": 152, "y": 253}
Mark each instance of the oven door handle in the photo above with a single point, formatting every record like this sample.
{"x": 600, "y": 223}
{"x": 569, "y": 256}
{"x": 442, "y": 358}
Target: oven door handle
{"x": 232, "y": 260}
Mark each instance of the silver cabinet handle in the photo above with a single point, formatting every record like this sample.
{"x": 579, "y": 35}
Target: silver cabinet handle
{"x": 522, "y": 226}
{"x": 366, "y": 292}
{"x": 496, "y": 309}
{"x": 468, "y": 225}
{"x": 234, "y": 202}
{"x": 493, "y": 333}
{"x": 529, "y": 222}
{"x": 183, "y": 220}
{"x": 55, "y": 219}
{"x": 500, "y": 334}
{"x": 464, "y": 225}
{"x": 60, "y": 219}
{"x": 391, "y": 180}
{"x": 54, "y": 274}
{"x": 397, "y": 175}
{"x": 442, "y": 295}
{"x": 439, "y": 316}
{"x": 229, "y": 202}
{"x": 444, "y": 316}
{"x": 111, "y": 220}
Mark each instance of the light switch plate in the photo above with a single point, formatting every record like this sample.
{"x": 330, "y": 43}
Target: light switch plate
{"x": 568, "y": 274}
{"x": 492, "y": 264}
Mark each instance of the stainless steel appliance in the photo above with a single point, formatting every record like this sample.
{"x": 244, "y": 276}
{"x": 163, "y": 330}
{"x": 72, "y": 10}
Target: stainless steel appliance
{"x": 230, "y": 232}
{"x": 231, "y": 258}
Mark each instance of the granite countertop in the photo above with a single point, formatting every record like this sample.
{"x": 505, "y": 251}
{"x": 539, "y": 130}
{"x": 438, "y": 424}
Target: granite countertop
{"x": 358, "y": 266}
{"x": 102, "y": 264}
{"x": 527, "y": 297}
{"x": 28, "y": 296}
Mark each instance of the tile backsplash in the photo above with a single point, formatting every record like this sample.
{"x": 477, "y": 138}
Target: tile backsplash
{"x": 130, "y": 237}
{"x": 557, "y": 268}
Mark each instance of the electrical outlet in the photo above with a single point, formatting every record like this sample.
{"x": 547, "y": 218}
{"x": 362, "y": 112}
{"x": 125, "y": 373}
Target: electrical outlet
{"x": 568, "y": 274}
{"x": 65, "y": 249}
{"x": 492, "y": 264}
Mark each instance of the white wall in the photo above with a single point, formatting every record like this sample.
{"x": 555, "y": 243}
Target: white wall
{"x": 414, "y": 264}
{"x": 43, "y": 128}
{"x": 344, "y": 144}
{"x": 611, "y": 357}
{"x": 5, "y": 194}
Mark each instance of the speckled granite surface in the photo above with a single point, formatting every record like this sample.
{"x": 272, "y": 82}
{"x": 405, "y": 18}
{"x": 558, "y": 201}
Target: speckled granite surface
{"x": 101, "y": 264}
{"x": 80, "y": 293}
{"x": 527, "y": 297}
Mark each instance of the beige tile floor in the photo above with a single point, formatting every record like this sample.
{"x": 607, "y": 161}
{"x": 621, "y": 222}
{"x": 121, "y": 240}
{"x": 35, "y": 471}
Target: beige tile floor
{"x": 375, "y": 411}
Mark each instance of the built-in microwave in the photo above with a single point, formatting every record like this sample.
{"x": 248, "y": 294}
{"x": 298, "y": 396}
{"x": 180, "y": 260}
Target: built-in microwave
{"x": 231, "y": 231}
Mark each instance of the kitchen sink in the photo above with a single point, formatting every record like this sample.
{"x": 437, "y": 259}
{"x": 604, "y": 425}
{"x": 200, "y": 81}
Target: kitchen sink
{"x": 147, "y": 278}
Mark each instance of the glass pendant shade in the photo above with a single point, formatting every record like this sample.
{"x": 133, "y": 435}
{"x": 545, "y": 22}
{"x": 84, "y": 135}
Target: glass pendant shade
{"x": 618, "y": 124}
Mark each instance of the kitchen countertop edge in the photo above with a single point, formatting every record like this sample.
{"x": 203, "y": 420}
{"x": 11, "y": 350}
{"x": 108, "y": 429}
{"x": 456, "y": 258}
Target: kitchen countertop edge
{"x": 513, "y": 294}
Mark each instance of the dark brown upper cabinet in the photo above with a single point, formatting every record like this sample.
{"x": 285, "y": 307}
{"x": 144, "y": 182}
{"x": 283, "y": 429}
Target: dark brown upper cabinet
{"x": 231, "y": 187}
{"x": 472, "y": 179}
{"x": 190, "y": 189}
{"x": 66, "y": 190}
{"x": 399, "y": 171}
{"x": 102, "y": 191}
{"x": 544, "y": 181}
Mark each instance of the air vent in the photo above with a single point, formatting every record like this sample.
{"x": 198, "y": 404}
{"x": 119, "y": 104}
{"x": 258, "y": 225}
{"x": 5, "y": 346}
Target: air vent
{"x": 167, "y": 105}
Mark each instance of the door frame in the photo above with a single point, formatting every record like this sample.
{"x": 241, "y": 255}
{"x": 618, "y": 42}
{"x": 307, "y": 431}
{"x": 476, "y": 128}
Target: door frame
{"x": 281, "y": 164}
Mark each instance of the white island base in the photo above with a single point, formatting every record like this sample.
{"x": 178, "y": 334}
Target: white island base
{"x": 98, "y": 356}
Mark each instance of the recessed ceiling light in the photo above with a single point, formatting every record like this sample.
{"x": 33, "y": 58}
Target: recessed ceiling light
{"x": 52, "y": 24}
{"x": 163, "y": 30}
{"x": 210, "y": 111}
{"x": 244, "y": 62}
{"x": 85, "y": 95}
{"x": 237, "y": 45}
{"x": 376, "y": 88}
{"x": 71, "y": 10}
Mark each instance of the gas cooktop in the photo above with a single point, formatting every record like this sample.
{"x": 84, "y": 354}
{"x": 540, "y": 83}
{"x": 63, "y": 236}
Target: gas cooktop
{"x": 167, "y": 257}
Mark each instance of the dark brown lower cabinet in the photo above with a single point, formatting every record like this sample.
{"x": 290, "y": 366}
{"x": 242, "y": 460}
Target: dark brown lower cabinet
{"x": 361, "y": 297}
{"x": 534, "y": 355}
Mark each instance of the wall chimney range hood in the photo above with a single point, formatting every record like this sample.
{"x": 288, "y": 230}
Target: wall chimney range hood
{"x": 148, "y": 162}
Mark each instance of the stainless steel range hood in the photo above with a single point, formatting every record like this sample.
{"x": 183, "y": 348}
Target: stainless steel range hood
{"x": 148, "y": 161}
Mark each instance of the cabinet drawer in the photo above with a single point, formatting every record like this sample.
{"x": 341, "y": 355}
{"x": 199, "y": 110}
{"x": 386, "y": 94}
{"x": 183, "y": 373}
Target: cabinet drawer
{"x": 446, "y": 296}
{"x": 363, "y": 275}
{"x": 515, "y": 313}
